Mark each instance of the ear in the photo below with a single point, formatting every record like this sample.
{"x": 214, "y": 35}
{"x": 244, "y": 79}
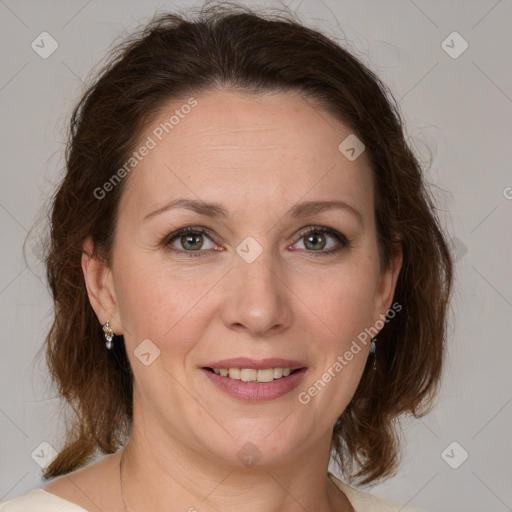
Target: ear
{"x": 387, "y": 283}
{"x": 100, "y": 287}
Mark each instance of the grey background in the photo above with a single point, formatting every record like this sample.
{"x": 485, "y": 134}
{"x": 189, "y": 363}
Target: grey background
{"x": 457, "y": 109}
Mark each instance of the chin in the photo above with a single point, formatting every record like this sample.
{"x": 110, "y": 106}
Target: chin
{"x": 261, "y": 446}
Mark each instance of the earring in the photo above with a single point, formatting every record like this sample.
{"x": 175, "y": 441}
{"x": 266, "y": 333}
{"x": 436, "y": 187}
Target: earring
{"x": 109, "y": 335}
{"x": 373, "y": 350}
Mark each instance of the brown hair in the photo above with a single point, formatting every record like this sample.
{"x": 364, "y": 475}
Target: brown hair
{"x": 233, "y": 47}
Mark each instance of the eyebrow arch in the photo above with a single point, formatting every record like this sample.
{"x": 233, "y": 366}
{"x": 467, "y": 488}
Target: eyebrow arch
{"x": 216, "y": 210}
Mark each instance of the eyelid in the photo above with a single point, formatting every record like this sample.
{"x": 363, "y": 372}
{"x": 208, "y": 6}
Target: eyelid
{"x": 323, "y": 229}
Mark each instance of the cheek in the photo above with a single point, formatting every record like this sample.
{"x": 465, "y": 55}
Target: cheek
{"x": 344, "y": 299}
{"x": 156, "y": 300}
{"x": 343, "y": 311}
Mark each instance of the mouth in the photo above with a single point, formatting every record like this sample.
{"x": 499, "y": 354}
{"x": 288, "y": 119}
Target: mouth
{"x": 255, "y": 385}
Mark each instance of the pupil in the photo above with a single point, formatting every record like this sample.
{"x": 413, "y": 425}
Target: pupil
{"x": 314, "y": 238}
{"x": 189, "y": 238}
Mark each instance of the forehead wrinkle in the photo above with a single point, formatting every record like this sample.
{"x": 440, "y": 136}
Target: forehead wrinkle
{"x": 230, "y": 147}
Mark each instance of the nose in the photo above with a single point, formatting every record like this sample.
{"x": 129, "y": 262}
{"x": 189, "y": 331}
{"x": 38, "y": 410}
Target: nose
{"x": 257, "y": 297}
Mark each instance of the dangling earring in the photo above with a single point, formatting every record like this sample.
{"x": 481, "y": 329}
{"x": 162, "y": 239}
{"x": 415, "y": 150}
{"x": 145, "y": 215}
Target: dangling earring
{"x": 373, "y": 350}
{"x": 109, "y": 335}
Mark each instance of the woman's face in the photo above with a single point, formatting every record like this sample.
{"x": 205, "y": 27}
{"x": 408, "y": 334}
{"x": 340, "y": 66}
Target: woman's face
{"x": 259, "y": 282}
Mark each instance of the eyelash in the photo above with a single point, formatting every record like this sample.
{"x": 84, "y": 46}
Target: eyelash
{"x": 342, "y": 239}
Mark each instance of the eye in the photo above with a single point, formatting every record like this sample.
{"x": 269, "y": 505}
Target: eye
{"x": 315, "y": 238}
{"x": 191, "y": 240}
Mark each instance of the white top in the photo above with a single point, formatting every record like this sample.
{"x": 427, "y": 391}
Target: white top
{"x": 40, "y": 500}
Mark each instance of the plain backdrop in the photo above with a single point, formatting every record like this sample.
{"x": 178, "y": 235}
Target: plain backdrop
{"x": 457, "y": 105}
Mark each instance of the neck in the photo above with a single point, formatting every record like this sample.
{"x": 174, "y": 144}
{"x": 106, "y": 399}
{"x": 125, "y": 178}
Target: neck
{"x": 157, "y": 474}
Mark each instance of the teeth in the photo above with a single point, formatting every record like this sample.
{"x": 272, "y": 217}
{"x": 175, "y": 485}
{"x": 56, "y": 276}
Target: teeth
{"x": 248, "y": 375}
{"x": 234, "y": 373}
{"x": 253, "y": 375}
{"x": 265, "y": 375}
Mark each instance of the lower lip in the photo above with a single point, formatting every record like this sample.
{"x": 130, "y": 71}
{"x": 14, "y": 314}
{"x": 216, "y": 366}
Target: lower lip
{"x": 256, "y": 391}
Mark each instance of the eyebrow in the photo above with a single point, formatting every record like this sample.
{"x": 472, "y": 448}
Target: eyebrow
{"x": 216, "y": 210}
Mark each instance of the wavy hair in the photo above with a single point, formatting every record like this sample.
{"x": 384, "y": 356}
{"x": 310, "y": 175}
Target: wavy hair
{"x": 233, "y": 47}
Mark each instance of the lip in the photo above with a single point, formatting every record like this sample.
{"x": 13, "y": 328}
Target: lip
{"x": 256, "y": 391}
{"x": 257, "y": 364}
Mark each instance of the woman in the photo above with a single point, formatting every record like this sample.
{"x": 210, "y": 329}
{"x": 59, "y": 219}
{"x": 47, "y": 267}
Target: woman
{"x": 248, "y": 275}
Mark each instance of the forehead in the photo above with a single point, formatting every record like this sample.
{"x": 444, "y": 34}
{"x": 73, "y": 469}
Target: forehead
{"x": 248, "y": 148}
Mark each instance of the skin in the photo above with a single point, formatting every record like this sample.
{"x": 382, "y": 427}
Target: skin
{"x": 257, "y": 155}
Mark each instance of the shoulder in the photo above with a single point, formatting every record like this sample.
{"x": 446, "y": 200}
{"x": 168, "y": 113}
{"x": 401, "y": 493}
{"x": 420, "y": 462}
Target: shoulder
{"x": 365, "y": 502}
{"x": 79, "y": 491}
{"x": 39, "y": 500}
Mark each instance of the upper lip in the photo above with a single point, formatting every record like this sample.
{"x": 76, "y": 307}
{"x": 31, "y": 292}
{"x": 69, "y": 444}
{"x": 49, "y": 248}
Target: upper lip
{"x": 258, "y": 364}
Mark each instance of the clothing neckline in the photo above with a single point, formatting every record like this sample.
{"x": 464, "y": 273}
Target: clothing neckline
{"x": 345, "y": 488}
{"x": 59, "y": 499}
